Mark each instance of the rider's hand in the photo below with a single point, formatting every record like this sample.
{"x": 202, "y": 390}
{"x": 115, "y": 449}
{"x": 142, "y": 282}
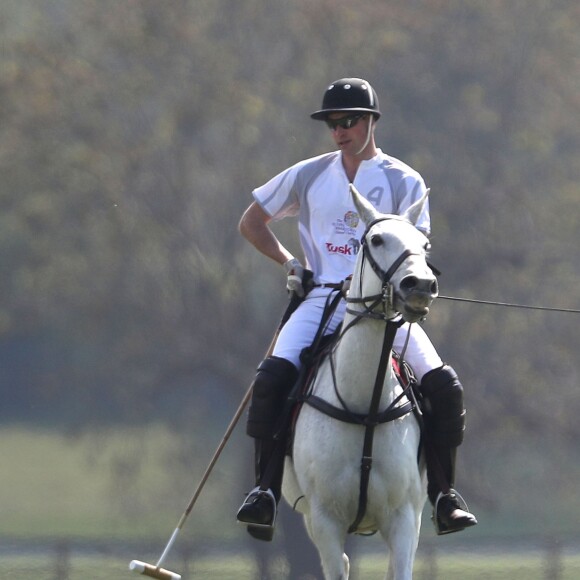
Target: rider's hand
{"x": 295, "y": 271}
{"x": 346, "y": 286}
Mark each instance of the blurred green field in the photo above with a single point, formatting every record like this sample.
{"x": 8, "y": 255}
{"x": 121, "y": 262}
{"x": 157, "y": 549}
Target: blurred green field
{"x": 130, "y": 484}
{"x": 82, "y": 507}
{"x": 135, "y": 483}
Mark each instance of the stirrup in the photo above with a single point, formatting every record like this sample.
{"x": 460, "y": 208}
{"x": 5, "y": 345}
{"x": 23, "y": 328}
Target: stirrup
{"x": 440, "y": 528}
{"x": 253, "y": 496}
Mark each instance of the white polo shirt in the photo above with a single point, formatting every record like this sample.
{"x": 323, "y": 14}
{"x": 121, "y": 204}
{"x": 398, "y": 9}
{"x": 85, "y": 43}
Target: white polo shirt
{"x": 316, "y": 190}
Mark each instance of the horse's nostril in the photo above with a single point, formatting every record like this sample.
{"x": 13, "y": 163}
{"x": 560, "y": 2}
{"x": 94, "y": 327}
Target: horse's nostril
{"x": 434, "y": 287}
{"x": 409, "y": 283}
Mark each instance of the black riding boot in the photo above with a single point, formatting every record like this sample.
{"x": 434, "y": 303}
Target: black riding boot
{"x": 274, "y": 380}
{"x": 445, "y": 423}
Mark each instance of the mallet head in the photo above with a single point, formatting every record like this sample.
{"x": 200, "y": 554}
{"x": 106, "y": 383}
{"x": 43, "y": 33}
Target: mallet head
{"x": 153, "y": 571}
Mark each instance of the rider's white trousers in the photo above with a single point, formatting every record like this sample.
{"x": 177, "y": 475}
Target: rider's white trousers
{"x": 298, "y": 333}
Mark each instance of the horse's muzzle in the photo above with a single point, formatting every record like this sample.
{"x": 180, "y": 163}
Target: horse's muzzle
{"x": 416, "y": 296}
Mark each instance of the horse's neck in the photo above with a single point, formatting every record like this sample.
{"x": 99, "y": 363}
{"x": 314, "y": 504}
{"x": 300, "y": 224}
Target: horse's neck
{"x": 357, "y": 360}
{"x": 361, "y": 345}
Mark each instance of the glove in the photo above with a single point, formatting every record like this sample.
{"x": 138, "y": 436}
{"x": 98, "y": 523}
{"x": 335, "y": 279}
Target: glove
{"x": 295, "y": 271}
{"x": 346, "y": 286}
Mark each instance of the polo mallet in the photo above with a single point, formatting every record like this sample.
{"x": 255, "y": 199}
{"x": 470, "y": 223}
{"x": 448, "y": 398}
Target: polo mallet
{"x": 157, "y": 571}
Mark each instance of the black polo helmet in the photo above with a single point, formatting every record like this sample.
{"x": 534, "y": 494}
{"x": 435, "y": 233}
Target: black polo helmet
{"x": 350, "y": 95}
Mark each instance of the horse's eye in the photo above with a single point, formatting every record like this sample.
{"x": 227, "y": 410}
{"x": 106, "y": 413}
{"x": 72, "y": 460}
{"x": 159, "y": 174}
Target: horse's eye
{"x": 377, "y": 240}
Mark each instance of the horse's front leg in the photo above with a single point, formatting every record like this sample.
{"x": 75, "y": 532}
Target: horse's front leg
{"x": 329, "y": 537}
{"x": 402, "y": 537}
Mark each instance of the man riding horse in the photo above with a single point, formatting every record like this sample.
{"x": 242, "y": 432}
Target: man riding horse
{"x": 316, "y": 191}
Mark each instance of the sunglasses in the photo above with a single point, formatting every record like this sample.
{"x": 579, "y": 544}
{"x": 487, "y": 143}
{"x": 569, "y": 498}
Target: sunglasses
{"x": 344, "y": 122}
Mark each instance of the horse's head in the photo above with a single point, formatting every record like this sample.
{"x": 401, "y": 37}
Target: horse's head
{"x": 397, "y": 253}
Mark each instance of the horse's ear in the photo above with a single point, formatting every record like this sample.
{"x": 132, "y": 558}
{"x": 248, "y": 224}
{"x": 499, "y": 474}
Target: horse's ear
{"x": 414, "y": 212}
{"x": 365, "y": 208}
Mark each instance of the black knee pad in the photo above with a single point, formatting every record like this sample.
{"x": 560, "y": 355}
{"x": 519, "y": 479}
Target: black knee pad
{"x": 443, "y": 409}
{"x": 274, "y": 380}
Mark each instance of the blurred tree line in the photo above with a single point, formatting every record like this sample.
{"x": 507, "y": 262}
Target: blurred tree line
{"x": 133, "y": 132}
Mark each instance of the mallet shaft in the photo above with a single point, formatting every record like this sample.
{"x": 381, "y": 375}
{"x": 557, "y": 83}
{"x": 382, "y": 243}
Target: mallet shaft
{"x": 168, "y": 547}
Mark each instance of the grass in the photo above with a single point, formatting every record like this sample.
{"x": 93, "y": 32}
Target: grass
{"x": 236, "y": 567}
{"x": 133, "y": 483}
{"x": 503, "y": 567}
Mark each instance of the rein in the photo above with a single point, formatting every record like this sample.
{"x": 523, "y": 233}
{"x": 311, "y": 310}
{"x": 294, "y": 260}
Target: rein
{"x": 510, "y": 304}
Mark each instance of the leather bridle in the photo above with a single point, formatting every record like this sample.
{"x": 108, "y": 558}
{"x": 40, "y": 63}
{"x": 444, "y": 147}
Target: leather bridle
{"x": 385, "y": 298}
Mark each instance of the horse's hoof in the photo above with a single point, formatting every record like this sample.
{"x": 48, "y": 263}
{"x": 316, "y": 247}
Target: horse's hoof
{"x": 451, "y": 514}
{"x": 259, "y": 508}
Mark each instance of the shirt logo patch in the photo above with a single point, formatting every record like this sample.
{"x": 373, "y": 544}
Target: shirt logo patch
{"x": 351, "y": 219}
{"x": 348, "y": 224}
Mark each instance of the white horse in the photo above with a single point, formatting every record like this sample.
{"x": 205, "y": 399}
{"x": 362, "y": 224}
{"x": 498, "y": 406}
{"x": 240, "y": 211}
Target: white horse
{"x": 323, "y": 477}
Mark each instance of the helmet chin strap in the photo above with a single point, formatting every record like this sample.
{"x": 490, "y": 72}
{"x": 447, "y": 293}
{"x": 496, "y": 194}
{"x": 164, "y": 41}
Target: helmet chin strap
{"x": 369, "y": 133}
